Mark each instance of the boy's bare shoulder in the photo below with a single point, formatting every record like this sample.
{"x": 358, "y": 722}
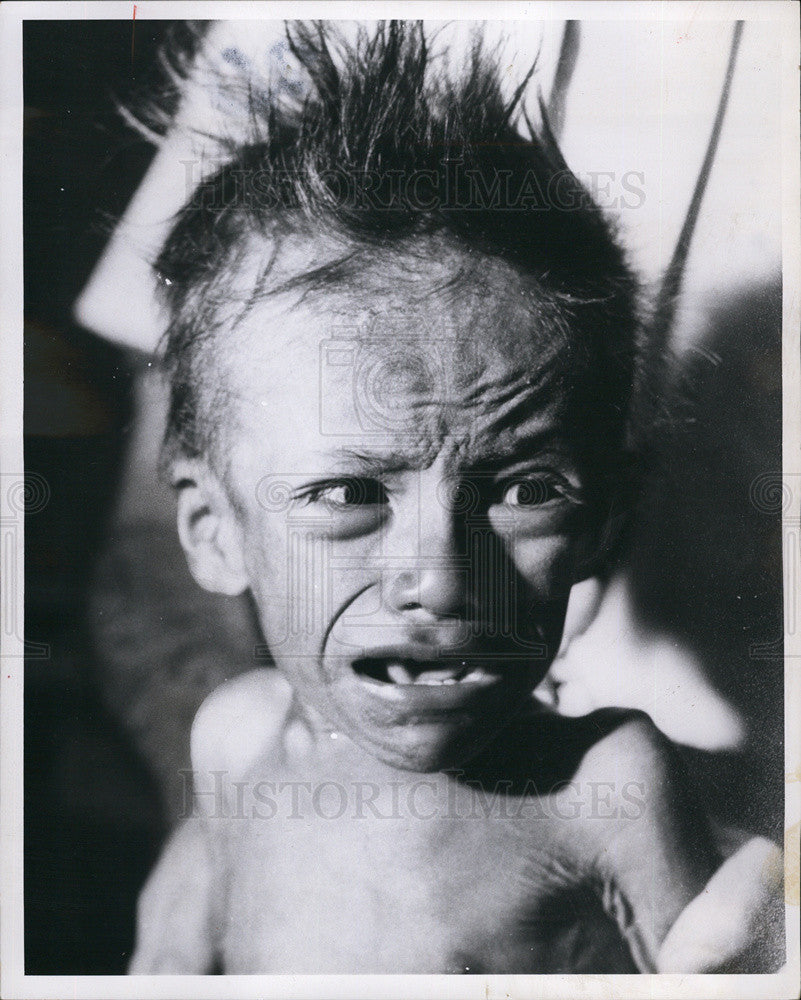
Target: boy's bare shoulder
{"x": 624, "y": 740}
{"x": 626, "y": 754}
{"x": 603, "y": 745}
{"x": 621, "y": 759}
{"x": 618, "y": 760}
{"x": 238, "y": 721}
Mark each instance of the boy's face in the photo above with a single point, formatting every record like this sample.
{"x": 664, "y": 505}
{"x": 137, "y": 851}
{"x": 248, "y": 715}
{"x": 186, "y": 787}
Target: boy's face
{"x": 403, "y": 463}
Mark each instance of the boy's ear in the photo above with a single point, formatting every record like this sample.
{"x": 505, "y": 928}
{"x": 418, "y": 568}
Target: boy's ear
{"x": 208, "y": 529}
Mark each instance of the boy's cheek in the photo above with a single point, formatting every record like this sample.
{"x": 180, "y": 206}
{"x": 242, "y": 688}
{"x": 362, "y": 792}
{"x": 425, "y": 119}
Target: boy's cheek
{"x": 548, "y": 565}
{"x": 301, "y": 580}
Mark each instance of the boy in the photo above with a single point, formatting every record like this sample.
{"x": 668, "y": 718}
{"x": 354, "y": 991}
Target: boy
{"x": 402, "y": 355}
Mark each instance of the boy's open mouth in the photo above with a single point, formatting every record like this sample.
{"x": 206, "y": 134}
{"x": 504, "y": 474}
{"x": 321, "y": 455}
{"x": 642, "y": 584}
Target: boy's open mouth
{"x": 431, "y": 673}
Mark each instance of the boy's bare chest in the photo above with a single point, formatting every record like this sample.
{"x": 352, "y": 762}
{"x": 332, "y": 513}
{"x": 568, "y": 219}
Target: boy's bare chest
{"x": 334, "y": 879}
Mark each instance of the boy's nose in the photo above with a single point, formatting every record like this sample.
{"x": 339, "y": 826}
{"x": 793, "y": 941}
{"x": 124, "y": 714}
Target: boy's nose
{"x": 438, "y": 591}
{"x": 434, "y": 580}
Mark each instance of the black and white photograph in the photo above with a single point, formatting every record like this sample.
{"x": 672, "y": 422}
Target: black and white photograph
{"x": 400, "y": 500}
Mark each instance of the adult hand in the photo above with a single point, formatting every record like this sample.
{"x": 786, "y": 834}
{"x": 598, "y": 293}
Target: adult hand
{"x": 736, "y": 924}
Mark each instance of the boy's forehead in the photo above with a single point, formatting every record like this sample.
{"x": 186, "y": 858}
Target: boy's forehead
{"x": 411, "y": 349}
{"x": 428, "y": 295}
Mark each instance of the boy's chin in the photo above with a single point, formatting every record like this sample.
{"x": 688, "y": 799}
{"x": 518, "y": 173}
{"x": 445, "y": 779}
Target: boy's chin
{"x": 423, "y": 748}
{"x": 430, "y": 725}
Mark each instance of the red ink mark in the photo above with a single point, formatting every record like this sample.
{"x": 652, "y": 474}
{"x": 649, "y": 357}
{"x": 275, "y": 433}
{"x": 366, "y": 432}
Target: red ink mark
{"x": 133, "y": 29}
{"x": 686, "y": 36}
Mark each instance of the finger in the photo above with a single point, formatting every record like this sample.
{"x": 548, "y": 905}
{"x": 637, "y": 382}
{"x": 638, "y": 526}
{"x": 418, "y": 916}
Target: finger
{"x": 736, "y": 924}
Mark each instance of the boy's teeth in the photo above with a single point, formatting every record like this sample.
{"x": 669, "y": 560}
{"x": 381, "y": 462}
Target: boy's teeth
{"x": 398, "y": 673}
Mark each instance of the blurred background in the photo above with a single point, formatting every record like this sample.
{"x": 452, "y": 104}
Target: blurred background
{"x": 93, "y": 821}
{"x": 134, "y": 646}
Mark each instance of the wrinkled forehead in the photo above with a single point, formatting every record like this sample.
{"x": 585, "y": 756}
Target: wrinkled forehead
{"x": 417, "y": 301}
{"x": 429, "y": 339}
{"x": 454, "y": 356}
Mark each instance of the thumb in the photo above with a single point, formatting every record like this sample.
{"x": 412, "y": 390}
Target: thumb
{"x": 736, "y": 924}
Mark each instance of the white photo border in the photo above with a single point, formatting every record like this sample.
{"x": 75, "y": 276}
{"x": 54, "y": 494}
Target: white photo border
{"x": 14, "y": 983}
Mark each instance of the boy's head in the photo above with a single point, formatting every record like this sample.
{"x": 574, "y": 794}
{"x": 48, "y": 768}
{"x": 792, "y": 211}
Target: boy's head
{"x": 401, "y": 354}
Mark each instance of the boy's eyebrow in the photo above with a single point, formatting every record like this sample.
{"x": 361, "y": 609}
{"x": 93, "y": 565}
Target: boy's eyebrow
{"x": 514, "y": 450}
{"x": 543, "y": 442}
{"x": 370, "y": 463}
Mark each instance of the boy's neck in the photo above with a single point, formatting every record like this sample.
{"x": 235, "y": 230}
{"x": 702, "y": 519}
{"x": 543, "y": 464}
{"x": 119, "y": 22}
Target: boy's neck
{"x": 333, "y": 750}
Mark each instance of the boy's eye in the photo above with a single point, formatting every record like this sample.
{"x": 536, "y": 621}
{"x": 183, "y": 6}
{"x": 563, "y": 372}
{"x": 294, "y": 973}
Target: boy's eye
{"x": 531, "y": 491}
{"x": 537, "y": 504}
{"x": 342, "y": 494}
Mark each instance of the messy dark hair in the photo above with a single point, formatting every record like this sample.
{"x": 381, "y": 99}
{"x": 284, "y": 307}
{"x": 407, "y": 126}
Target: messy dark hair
{"x": 387, "y": 145}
